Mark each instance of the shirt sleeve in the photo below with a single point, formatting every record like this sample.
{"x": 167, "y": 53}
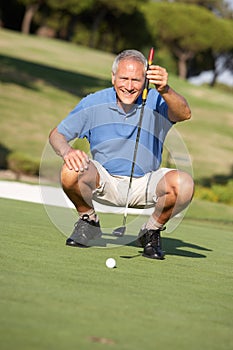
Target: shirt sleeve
{"x": 77, "y": 122}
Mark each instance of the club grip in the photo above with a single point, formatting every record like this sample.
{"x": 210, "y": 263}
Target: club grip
{"x": 150, "y": 61}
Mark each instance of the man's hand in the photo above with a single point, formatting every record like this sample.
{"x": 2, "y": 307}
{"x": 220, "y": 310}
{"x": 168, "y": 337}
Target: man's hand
{"x": 76, "y": 160}
{"x": 158, "y": 75}
{"x": 178, "y": 108}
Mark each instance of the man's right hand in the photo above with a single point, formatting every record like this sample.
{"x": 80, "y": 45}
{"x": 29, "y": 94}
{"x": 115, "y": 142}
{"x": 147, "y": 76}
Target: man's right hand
{"x": 76, "y": 159}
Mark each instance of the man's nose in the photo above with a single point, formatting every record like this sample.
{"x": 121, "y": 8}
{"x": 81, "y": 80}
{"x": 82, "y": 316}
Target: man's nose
{"x": 129, "y": 85}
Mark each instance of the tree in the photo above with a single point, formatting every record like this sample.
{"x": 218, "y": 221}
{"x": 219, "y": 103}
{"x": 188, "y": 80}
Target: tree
{"x": 187, "y": 30}
{"x": 111, "y": 11}
{"x": 31, "y": 7}
{"x": 72, "y": 7}
{"x": 99, "y": 24}
{"x": 223, "y": 49}
{"x": 219, "y": 7}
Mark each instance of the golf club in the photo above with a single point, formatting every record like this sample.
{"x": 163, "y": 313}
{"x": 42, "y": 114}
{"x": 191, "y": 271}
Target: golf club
{"x": 120, "y": 231}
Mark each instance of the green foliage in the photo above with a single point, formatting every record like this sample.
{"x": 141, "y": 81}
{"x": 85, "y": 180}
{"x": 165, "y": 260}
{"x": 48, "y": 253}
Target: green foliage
{"x": 72, "y": 6}
{"x": 164, "y": 58}
{"x": 95, "y": 23}
{"x": 205, "y": 193}
{"x": 81, "y": 34}
{"x": 224, "y": 192}
{"x": 188, "y": 27}
{"x": 219, "y": 7}
{"x": 4, "y": 152}
{"x": 186, "y": 30}
{"x": 20, "y": 164}
{"x": 30, "y": 2}
{"x": 69, "y": 5}
{"x": 118, "y": 6}
{"x": 216, "y": 193}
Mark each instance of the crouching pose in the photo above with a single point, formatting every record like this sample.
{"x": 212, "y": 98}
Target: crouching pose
{"x": 108, "y": 119}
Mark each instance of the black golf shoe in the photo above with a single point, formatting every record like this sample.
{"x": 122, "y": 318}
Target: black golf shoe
{"x": 84, "y": 231}
{"x": 150, "y": 240}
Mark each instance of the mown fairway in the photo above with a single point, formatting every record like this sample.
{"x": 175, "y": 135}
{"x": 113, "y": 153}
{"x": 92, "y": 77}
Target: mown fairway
{"x": 57, "y": 297}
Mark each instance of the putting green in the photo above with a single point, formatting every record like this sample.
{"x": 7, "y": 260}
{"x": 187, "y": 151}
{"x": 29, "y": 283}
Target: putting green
{"x": 57, "y": 297}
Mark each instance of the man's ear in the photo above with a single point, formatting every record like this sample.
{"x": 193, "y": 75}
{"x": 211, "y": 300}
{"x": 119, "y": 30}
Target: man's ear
{"x": 113, "y": 78}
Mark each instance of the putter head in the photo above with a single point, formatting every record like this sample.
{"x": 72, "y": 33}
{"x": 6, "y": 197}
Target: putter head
{"x": 119, "y": 231}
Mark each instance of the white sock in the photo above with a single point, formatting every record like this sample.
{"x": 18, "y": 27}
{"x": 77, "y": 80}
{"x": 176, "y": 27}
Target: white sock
{"x": 91, "y": 213}
{"x": 152, "y": 224}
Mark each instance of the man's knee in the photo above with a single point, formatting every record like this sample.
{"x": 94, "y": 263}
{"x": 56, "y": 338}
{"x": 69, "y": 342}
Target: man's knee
{"x": 176, "y": 182}
{"x": 182, "y": 184}
{"x": 69, "y": 178}
{"x": 185, "y": 185}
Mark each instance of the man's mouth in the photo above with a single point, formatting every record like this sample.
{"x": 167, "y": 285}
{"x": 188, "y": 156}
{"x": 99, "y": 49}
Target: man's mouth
{"x": 128, "y": 93}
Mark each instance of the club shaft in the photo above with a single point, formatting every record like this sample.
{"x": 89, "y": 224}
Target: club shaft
{"x": 144, "y": 97}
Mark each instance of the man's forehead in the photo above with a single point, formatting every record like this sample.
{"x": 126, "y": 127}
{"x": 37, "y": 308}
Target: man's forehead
{"x": 130, "y": 65}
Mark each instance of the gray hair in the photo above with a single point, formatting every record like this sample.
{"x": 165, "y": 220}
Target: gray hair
{"x": 128, "y": 54}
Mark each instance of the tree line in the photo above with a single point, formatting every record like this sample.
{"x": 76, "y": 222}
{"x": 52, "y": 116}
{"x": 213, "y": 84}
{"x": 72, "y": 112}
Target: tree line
{"x": 189, "y": 35}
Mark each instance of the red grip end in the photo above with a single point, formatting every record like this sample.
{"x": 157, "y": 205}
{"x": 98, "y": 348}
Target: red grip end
{"x": 151, "y": 56}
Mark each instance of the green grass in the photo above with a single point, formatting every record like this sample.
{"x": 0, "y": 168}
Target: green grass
{"x": 57, "y": 297}
{"x": 43, "y": 79}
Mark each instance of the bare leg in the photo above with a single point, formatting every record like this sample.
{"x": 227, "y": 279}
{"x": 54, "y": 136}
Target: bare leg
{"x": 78, "y": 186}
{"x": 174, "y": 192}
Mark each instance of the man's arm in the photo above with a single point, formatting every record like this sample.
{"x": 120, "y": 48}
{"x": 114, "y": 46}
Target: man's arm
{"x": 178, "y": 108}
{"x": 75, "y": 159}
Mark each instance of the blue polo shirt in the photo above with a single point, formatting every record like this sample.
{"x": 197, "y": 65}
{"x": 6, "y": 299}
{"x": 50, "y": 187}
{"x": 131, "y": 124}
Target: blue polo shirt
{"x": 112, "y": 133}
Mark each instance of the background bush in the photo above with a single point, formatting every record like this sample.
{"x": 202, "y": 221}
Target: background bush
{"x": 216, "y": 193}
{"x": 22, "y": 164}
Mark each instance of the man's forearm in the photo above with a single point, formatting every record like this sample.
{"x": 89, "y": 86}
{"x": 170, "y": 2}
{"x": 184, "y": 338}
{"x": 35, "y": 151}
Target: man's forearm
{"x": 178, "y": 108}
{"x": 59, "y": 143}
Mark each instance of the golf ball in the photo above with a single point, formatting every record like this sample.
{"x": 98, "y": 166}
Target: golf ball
{"x": 110, "y": 263}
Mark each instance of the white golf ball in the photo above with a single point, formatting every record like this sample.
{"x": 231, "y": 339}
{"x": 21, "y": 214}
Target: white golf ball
{"x": 110, "y": 263}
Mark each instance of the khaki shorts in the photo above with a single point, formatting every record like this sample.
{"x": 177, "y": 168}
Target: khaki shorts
{"x": 113, "y": 189}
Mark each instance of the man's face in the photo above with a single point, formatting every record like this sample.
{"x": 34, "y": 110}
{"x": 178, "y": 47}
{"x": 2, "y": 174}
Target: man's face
{"x": 128, "y": 81}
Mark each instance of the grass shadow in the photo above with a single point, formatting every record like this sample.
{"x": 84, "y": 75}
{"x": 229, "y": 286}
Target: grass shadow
{"x": 172, "y": 246}
{"x": 26, "y": 74}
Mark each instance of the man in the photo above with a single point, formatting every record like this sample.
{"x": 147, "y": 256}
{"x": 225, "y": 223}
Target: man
{"x": 109, "y": 120}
